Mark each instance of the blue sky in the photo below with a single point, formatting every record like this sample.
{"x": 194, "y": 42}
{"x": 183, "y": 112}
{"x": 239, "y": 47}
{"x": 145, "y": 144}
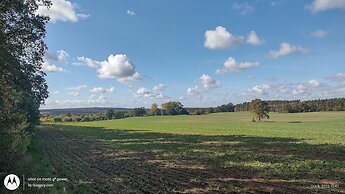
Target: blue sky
{"x": 202, "y": 53}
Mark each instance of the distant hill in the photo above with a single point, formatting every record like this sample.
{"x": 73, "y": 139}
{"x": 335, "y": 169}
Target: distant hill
{"x": 87, "y": 110}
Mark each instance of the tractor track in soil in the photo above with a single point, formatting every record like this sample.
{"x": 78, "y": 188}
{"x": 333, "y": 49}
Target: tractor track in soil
{"x": 106, "y": 169}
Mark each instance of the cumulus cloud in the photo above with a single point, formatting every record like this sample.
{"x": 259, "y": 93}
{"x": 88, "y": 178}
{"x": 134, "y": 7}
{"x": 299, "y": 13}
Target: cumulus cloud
{"x": 285, "y": 49}
{"x": 258, "y": 90}
{"x": 323, "y": 5}
{"x": 61, "y": 10}
{"x": 220, "y": 38}
{"x": 130, "y": 12}
{"x": 305, "y": 88}
{"x": 337, "y": 77}
{"x": 58, "y": 56}
{"x": 116, "y": 66}
{"x": 243, "y": 9}
{"x": 253, "y": 39}
{"x": 102, "y": 90}
{"x": 318, "y": 34}
{"x": 74, "y": 91}
{"x": 97, "y": 99}
{"x": 159, "y": 87}
{"x": 50, "y": 68}
{"x": 205, "y": 83}
{"x": 230, "y": 65}
{"x": 87, "y": 61}
{"x": 155, "y": 93}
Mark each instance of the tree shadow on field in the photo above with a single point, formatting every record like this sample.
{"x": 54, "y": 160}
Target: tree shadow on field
{"x": 127, "y": 161}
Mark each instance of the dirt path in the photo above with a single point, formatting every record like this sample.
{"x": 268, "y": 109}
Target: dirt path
{"x": 103, "y": 168}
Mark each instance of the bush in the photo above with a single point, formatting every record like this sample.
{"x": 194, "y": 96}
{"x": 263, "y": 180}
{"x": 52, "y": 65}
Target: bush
{"x": 57, "y": 119}
{"x": 67, "y": 119}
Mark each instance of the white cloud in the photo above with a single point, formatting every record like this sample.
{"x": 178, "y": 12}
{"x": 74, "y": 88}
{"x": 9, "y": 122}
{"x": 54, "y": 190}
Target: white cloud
{"x": 49, "y": 68}
{"x": 220, "y": 38}
{"x": 230, "y": 65}
{"x": 208, "y": 83}
{"x": 205, "y": 83}
{"x": 87, "y": 61}
{"x": 243, "y": 9}
{"x": 119, "y": 67}
{"x": 306, "y": 87}
{"x": 74, "y": 91}
{"x": 59, "y": 56}
{"x": 285, "y": 49}
{"x": 253, "y": 39}
{"x": 61, "y": 10}
{"x": 79, "y": 87}
{"x": 314, "y": 83}
{"x": 116, "y": 66}
{"x": 338, "y": 77}
{"x": 258, "y": 90}
{"x": 159, "y": 87}
{"x": 323, "y": 5}
{"x": 131, "y": 12}
{"x": 155, "y": 93}
{"x": 102, "y": 90}
{"x": 308, "y": 90}
{"x": 318, "y": 34}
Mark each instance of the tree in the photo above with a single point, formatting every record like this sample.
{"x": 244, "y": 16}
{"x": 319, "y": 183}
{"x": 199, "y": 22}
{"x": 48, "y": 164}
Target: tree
{"x": 173, "y": 108}
{"x": 260, "y": 109}
{"x": 109, "y": 114}
{"x": 225, "y": 108}
{"x": 138, "y": 112}
{"x": 154, "y": 109}
{"x": 23, "y": 87}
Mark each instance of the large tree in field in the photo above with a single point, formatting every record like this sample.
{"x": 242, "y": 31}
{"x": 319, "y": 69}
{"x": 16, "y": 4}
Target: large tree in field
{"x": 22, "y": 84}
{"x": 173, "y": 108}
{"x": 260, "y": 109}
{"x": 154, "y": 109}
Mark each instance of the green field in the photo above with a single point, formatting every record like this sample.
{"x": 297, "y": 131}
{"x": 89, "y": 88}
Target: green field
{"x": 315, "y": 128}
{"x": 222, "y": 152}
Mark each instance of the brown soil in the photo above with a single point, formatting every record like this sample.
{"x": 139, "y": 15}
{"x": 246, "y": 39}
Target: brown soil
{"x": 102, "y": 168}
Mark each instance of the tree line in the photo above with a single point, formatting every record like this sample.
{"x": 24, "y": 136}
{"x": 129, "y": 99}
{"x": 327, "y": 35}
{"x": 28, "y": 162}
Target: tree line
{"x": 23, "y": 87}
{"x": 259, "y": 107}
{"x": 295, "y": 106}
{"x": 168, "y": 108}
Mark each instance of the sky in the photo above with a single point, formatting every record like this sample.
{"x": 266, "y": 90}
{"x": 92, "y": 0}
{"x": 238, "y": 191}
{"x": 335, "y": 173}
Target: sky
{"x": 133, "y": 53}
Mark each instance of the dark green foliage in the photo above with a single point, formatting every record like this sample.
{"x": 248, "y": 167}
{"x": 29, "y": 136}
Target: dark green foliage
{"x": 294, "y": 106}
{"x": 57, "y": 119}
{"x": 138, "y": 112}
{"x": 109, "y": 113}
{"x": 23, "y": 87}
{"x": 225, "y": 108}
{"x": 119, "y": 114}
{"x": 202, "y": 111}
{"x": 173, "y": 108}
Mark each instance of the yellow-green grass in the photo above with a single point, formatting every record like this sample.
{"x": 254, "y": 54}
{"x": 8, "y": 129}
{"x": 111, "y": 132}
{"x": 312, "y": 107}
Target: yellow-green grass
{"x": 314, "y": 128}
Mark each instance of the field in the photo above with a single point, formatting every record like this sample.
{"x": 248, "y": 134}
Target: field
{"x": 216, "y": 153}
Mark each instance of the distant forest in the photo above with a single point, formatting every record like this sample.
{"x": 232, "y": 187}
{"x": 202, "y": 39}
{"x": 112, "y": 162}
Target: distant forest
{"x": 294, "y": 106}
{"x": 176, "y": 108}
